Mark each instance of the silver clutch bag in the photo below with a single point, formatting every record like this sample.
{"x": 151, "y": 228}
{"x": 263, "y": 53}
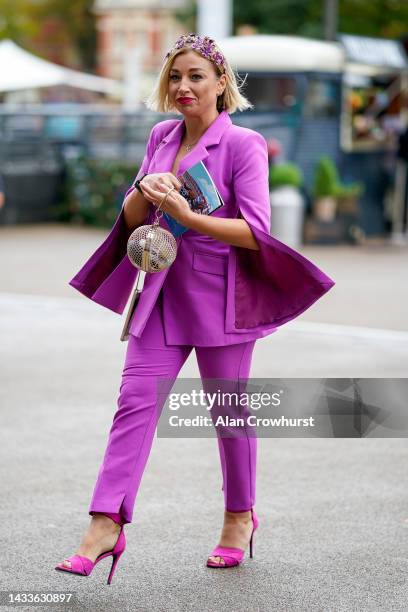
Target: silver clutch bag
{"x": 132, "y": 306}
{"x": 152, "y": 248}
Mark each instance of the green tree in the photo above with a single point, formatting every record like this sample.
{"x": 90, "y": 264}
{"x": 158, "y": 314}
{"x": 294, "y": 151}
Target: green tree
{"x": 278, "y": 16}
{"x": 379, "y": 18}
{"x": 188, "y": 15}
{"x": 52, "y": 28}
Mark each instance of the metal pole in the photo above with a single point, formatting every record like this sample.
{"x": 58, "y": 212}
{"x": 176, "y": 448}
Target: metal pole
{"x": 330, "y": 19}
{"x": 214, "y": 18}
{"x": 132, "y": 74}
{"x": 398, "y": 237}
{"x": 397, "y": 234}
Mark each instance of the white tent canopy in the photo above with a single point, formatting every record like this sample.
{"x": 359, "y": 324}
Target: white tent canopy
{"x": 282, "y": 53}
{"x": 22, "y": 70}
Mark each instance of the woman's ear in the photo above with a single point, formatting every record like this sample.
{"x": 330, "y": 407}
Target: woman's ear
{"x": 222, "y": 83}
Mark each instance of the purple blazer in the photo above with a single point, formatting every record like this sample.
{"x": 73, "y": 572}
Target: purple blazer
{"x": 243, "y": 293}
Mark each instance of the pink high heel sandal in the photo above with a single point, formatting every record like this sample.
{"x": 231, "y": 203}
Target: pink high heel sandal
{"x": 82, "y": 566}
{"x": 233, "y": 556}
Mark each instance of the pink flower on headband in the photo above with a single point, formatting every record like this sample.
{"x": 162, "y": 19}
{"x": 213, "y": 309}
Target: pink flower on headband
{"x": 203, "y": 45}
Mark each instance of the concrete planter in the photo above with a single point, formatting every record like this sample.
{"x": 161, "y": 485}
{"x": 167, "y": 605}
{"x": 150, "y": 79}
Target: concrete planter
{"x": 287, "y": 215}
{"x": 324, "y": 209}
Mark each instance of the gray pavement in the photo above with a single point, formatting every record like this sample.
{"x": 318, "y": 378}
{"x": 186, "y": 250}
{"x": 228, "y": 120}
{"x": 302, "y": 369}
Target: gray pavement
{"x": 333, "y": 512}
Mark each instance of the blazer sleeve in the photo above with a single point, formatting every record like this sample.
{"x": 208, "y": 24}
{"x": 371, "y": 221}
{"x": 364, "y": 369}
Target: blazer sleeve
{"x": 251, "y": 181}
{"x": 274, "y": 284}
{"x": 96, "y": 279}
{"x": 149, "y": 152}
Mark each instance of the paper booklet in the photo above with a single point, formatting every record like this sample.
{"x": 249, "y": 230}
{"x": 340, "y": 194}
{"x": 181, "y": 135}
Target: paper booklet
{"x": 199, "y": 190}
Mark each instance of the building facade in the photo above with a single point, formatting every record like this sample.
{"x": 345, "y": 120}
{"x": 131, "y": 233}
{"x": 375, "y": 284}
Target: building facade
{"x": 148, "y": 27}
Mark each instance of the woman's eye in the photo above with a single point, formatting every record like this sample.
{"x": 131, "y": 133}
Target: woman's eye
{"x": 174, "y": 77}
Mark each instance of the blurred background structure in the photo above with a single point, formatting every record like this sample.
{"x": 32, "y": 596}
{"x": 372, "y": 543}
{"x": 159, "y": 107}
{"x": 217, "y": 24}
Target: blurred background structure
{"x": 328, "y": 80}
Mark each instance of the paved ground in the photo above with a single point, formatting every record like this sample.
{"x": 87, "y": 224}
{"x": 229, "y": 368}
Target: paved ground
{"x": 333, "y": 513}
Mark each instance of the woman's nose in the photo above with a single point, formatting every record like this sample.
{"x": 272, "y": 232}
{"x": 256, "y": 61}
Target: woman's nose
{"x": 183, "y": 86}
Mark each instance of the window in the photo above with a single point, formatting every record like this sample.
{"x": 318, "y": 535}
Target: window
{"x": 322, "y": 98}
{"x": 271, "y": 93}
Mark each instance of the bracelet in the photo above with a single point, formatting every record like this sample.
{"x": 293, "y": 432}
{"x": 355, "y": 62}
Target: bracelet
{"x": 137, "y": 183}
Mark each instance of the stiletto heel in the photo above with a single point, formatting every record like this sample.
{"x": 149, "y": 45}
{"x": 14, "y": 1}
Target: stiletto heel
{"x": 251, "y": 545}
{"x": 82, "y": 566}
{"x": 233, "y": 556}
{"x": 113, "y": 567}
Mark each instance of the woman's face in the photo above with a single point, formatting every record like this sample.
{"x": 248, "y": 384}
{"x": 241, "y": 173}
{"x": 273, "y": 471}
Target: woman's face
{"x": 193, "y": 84}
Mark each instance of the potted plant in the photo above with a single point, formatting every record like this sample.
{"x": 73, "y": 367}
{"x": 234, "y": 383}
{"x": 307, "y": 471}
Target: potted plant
{"x": 287, "y": 204}
{"x": 347, "y": 206}
{"x": 347, "y": 198}
{"x": 325, "y": 190}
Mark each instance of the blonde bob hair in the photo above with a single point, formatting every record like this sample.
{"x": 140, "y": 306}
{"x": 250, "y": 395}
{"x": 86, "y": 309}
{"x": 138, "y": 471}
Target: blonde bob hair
{"x": 230, "y": 100}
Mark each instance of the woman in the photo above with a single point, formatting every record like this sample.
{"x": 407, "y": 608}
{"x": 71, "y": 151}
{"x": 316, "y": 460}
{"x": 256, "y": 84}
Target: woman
{"x": 230, "y": 284}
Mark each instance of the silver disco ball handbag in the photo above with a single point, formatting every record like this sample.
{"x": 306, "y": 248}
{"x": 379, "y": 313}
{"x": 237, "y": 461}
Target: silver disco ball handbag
{"x": 150, "y": 248}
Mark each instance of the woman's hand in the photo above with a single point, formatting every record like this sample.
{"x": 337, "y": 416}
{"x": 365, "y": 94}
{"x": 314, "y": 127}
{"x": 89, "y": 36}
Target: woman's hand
{"x": 161, "y": 179}
{"x": 155, "y": 187}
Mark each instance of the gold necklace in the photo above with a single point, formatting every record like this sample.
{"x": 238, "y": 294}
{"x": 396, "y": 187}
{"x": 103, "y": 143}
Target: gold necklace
{"x": 188, "y": 147}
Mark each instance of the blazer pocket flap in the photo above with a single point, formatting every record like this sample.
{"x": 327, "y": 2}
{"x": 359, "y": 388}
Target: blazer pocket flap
{"x": 210, "y": 263}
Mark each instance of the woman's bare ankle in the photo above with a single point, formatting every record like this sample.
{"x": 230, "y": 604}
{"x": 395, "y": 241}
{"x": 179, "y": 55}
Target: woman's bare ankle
{"x": 101, "y": 527}
{"x": 101, "y": 521}
{"x": 238, "y": 516}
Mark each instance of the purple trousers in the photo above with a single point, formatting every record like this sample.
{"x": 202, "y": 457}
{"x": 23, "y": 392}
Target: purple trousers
{"x": 134, "y": 423}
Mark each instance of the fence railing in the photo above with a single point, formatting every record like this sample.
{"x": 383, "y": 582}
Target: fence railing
{"x": 37, "y": 141}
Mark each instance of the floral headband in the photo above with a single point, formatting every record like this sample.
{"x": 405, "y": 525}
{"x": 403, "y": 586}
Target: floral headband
{"x": 203, "y": 45}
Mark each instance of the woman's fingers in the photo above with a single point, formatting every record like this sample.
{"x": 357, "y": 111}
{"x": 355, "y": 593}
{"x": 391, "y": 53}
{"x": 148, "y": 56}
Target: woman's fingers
{"x": 161, "y": 190}
{"x": 175, "y": 182}
{"x": 149, "y": 190}
{"x": 153, "y": 194}
{"x": 161, "y": 186}
{"x": 164, "y": 187}
{"x": 165, "y": 180}
{"x": 175, "y": 206}
{"x": 163, "y": 183}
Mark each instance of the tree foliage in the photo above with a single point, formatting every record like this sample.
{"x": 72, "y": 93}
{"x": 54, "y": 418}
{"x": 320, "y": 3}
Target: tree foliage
{"x": 66, "y": 27}
{"x": 56, "y": 29}
{"x": 378, "y": 18}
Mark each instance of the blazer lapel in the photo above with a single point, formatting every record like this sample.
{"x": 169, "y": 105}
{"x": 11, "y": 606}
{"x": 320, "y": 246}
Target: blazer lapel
{"x": 166, "y": 150}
